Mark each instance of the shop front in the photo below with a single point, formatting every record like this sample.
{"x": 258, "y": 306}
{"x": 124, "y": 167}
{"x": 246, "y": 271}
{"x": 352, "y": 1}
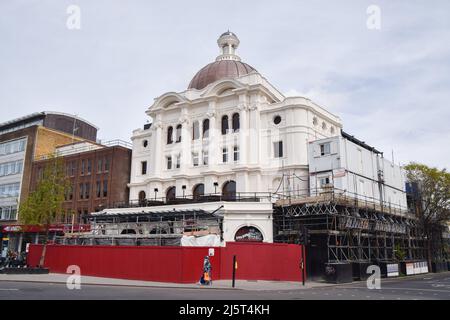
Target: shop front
{"x": 17, "y": 238}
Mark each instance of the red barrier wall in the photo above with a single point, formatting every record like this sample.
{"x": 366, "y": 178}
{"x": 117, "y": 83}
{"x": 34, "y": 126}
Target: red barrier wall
{"x": 256, "y": 261}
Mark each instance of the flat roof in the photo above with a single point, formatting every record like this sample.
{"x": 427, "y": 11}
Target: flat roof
{"x": 41, "y": 115}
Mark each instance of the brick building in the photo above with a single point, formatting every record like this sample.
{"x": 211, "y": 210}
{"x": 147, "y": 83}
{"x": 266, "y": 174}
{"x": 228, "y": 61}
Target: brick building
{"x": 98, "y": 175}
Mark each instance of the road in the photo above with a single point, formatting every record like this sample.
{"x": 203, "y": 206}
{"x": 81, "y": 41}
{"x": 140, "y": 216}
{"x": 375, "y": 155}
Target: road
{"x": 425, "y": 287}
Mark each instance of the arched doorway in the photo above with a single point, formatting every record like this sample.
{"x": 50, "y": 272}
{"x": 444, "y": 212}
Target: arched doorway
{"x": 128, "y": 231}
{"x": 229, "y": 190}
{"x": 198, "y": 191}
{"x": 142, "y": 198}
{"x": 171, "y": 194}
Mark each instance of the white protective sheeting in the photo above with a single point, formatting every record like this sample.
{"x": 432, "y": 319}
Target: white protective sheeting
{"x": 211, "y": 240}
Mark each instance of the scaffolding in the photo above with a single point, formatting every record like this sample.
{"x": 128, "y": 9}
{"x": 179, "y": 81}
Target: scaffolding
{"x": 156, "y": 228}
{"x": 349, "y": 228}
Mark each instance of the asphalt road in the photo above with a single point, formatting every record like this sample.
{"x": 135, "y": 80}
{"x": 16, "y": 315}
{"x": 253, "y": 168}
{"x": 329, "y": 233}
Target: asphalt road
{"x": 425, "y": 287}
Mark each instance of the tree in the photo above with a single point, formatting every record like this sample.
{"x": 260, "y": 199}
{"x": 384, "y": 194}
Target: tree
{"x": 44, "y": 204}
{"x": 431, "y": 204}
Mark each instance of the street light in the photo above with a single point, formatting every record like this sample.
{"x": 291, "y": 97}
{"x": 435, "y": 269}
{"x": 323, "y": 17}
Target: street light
{"x": 156, "y": 191}
{"x": 216, "y": 184}
{"x": 184, "y": 188}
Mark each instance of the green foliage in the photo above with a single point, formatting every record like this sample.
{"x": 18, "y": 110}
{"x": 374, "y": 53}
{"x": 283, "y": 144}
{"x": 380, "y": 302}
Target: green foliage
{"x": 400, "y": 254}
{"x": 433, "y": 204}
{"x": 44, "y": 204}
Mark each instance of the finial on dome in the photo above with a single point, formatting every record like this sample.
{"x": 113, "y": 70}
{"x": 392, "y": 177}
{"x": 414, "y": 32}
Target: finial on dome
{"x": 228, "y": 43}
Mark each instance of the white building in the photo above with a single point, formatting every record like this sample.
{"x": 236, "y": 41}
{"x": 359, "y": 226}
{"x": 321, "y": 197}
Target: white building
{"x": 355, "y": 169}
{"x": 233, "y": 135}
{"x": 230, "y": 125}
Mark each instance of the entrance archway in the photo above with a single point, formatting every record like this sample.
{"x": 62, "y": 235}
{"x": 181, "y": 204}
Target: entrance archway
{"x": 229, "y": 190}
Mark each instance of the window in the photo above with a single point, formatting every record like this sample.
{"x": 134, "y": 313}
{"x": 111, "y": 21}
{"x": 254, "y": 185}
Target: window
{"x": 12, "y": 147}
{"x": 98, "y": 189}
{"x": 324, "y": 181}
{"x": 224, "y": 154}
{"x": 195, "y": 131}
{"x": 145, "y": 143}
{"x": 277, "y": 120}
{"x": 169, "y": 135}
{"x": 224, "y": 125}
{"x": 236, "y": 123}
{"x": 87, "y": 190}
{"x": 324, "y": 126}
{"x": 278, "y": 149}
{"x": 105, "y": 188}
{"x": 107, "y": 161}
{"x": 9, "y": 190}
{"x": 205, "y": 128}
{"x": 71, "y": 192}
{"x": 144, "y": 167}
{"x": 83, "y": 166}
{"x": 8, "y": 213}
{"x": 178, "y": 161}
{"x": 315, "y": 121}
{"x": 236, "y": 153}
{"x": 325, "y": 149}
{"x": 89, "y": 166}
{"x": 81, "y": 191}
{"x": 11, "y": 168}
{"x": 178, "y": 133}
{"x": 73, "y": 168}
{"x": 169, "y": 163}
{"x": 205, "y": 157}
{"x": 99, "y": 165}
{"x": 195, "y": 159}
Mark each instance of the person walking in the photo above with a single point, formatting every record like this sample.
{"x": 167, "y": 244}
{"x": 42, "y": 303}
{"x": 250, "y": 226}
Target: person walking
{"x": 207, "y": 271}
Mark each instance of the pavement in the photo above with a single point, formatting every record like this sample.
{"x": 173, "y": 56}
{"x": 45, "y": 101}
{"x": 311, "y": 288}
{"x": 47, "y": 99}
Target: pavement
{"x": 57, "y": 278}
{"x": 53, "y": 286}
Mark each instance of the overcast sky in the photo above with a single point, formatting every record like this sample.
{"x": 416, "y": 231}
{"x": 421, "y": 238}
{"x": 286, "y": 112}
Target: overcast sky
{"x": 391, "y": 87}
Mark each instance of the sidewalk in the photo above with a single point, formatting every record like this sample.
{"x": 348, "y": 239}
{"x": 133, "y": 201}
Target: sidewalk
{"x": 219, "y": 284}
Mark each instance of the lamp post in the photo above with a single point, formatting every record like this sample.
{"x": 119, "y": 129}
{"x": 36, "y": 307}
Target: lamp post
{"x": 216, "y": 184}
{"x": 156, "y": 192}
{"x": 184, "y": 189}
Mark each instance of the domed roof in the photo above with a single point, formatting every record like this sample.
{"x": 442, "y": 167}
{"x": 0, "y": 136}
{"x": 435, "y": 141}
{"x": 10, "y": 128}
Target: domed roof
{"x": 219, "y": 70}
{"x": 227, "y": 65}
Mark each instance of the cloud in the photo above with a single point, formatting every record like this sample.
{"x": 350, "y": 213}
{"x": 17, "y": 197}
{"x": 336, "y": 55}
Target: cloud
{"x": 390, "y": 87}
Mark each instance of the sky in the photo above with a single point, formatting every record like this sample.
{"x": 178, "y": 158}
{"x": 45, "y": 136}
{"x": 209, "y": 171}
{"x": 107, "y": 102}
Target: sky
{"x": 389, "y": 85}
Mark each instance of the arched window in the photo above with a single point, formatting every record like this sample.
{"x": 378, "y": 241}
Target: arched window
{"x": 169, "y": 135}
{"x": 199, "y": 190}
{"x": 229, "y": 190}
{"x": 206, "y": 128}
{"x": 171, "y": 193}
{"x": 195, "y": 130}
{"x": 236, "y": 123}
{"x": 178, "y": 133}
{"x": 224, "y": 124}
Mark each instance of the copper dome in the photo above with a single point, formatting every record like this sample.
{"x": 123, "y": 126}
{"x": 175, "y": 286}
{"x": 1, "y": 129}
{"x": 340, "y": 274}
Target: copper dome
{"x": 219, "y": 70}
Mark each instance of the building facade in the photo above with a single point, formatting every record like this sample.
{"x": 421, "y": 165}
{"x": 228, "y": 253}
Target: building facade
{"x": 21, "y": 142}
{"x": 98, "y": 175}
{"x": 230, "y": 132}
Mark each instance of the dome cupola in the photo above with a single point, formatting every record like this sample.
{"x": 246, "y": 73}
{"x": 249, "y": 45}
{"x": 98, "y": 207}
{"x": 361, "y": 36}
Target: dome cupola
{"x": 227, "y": 64}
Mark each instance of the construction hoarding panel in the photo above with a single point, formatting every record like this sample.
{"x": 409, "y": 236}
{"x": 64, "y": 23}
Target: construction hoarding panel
{"x": 257, "y": 261}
